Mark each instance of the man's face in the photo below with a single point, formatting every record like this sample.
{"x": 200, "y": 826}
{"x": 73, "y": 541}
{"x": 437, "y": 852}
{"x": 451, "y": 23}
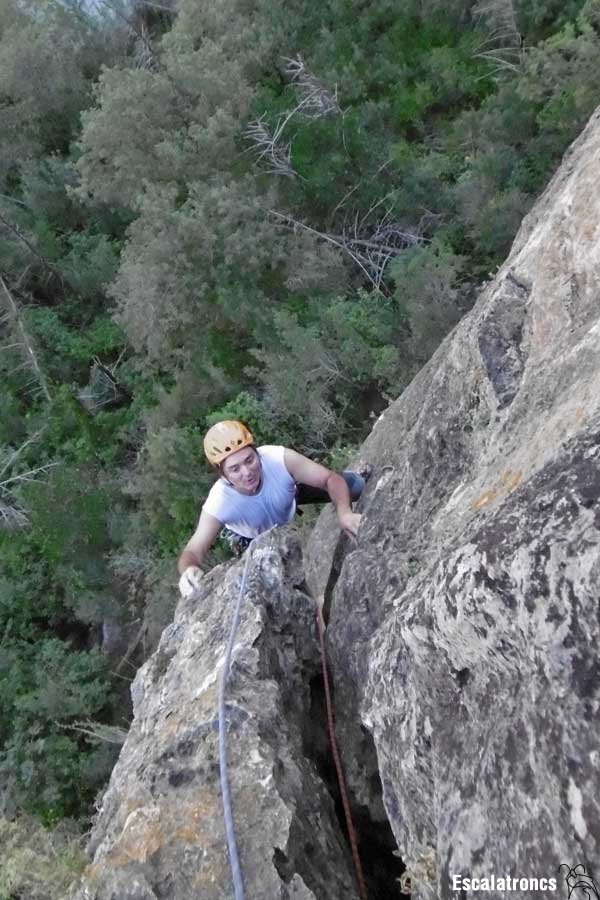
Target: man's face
{"x": 242, "y": 470}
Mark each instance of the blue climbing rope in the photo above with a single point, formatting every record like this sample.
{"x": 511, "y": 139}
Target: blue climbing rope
{"x": 234, "y": 860}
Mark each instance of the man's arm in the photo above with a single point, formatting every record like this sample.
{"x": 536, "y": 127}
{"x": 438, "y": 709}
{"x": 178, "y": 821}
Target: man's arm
{"x": 200, "y": 542}
{"x": 308, "y": 472}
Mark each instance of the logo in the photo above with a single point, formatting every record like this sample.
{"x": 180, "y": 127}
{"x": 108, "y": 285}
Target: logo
{"x": 580, "y": 885}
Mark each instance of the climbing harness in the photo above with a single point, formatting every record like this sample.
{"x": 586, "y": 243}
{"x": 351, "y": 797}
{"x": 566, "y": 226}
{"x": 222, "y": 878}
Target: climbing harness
{"x": 236, "y": 871}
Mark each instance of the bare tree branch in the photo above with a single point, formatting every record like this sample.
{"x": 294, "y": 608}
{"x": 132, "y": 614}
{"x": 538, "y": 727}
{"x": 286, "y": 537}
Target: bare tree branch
{"x": 12, "y": 512}
{"x": 111, "y": 734}
{"x": 271, "y": 144}
{"x": 294, "y": 224}
{"x": 12, "y": 515}
{"x": 126, "y": 660}
{"x": 144, "y": 54}
{"x": 503, "y": 44}
{"x": 356, "y": 186}
{"x": 13, "y": 200}
{"x": 104, "y": 387}
{"x": 12, "y": 459}
{"x": 24, "y": 477}
{"x": 320, "y": 101}
{"x": 33, "y": 250}
{"x": 279, "y": 155}
{"x": 316, "y": 102}
{"x": 370, "y": 248}
{"x": 30, "y": 357}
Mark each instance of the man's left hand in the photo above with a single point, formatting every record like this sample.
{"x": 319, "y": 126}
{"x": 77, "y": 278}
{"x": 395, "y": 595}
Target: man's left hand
{"x": 349, "y": 523}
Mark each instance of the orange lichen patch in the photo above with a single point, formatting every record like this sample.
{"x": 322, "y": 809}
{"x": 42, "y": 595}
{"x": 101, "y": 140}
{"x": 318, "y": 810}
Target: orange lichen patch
{"x": 511, "y": 479}
{"x": 194, "y": 816}
{"x": 142, "y": 835}
{"x": 133, "y": 802}
{"x": 147, "y": 830}
{"x": 192, "y": 821}
{"x": 188, "y": 833}
{"x": 93, "y": 872}
{"x": 485, "y": 498}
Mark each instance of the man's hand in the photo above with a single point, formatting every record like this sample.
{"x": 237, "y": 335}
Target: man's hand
{"x": 190, "y": 581}
{"x": 349, "y": 522}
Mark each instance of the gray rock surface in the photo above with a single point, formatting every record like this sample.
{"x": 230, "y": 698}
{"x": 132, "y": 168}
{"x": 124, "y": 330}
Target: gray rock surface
{"x": 465, "y": 625}
{"x": 464, "y": 629}
{"x": 160, "y": 830}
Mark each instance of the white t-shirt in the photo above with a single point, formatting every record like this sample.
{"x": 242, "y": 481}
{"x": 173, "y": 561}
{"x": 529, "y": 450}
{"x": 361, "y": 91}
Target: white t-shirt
{"x": 251, "y": 514}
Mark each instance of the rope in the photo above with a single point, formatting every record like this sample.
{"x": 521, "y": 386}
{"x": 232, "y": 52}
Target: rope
{"x": 362, "y": 887}
{"x": 234, "y": 860}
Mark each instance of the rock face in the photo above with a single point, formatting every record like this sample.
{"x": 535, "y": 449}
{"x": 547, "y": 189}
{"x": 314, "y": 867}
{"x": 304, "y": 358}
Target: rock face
{"x": 464, "y": 630}
{"x": 160, "y": 832}
{"x": 465, "y": 626}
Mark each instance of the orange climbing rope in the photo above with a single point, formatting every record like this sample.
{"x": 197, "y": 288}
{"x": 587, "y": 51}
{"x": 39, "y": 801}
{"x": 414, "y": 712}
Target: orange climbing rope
{"x": 362, "y": 887}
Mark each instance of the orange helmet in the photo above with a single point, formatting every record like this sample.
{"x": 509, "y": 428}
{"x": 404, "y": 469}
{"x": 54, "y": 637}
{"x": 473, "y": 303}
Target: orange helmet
{"x": 225, "y": 438}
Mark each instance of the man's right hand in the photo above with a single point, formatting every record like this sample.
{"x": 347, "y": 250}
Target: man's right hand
{"x": 190, "y": 581}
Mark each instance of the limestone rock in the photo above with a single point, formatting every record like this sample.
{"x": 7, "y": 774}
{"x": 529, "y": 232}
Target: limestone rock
{"x": 160, "y": 830}
{"x": 465, "y": 626}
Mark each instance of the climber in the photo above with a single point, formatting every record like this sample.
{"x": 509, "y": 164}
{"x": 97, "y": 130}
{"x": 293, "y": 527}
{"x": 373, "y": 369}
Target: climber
{"x": 260, "y": 487}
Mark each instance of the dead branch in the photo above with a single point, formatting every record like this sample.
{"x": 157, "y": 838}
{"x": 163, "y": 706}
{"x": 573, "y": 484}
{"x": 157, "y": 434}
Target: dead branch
{"x": 13, "y": 200}
{"x": 98, "y": 731}
{"x": 503, "y": 65}
{"x": 33, "y": 250}
{"x": 144, "y": 55}
{"x": 30, "y": 358}
{"x": 503, "y": 44}
{"x": 356, "y": 186}
{"x": 12, "y": 513}
{"x": 327, "y": 363}
{"x": 12, "y": 459}
{"x": 316, "y": 101}
{"x": 370, "y": 248}
{"x": 104, "y": 387}
{"x": 271, "y": 144}
{"x": 25, "y": 477}
{"x": 12, "y": 516}
{"x": 279, "y": 155}
{"x": 320, "y": 101}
